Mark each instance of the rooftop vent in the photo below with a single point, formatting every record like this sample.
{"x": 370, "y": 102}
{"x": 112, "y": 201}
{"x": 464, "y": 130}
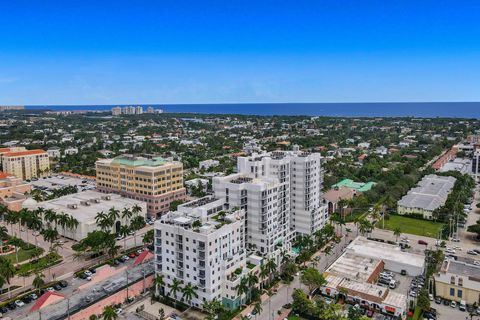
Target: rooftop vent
{"x": 72, "y": 206}
{"x": 85, "y": 203}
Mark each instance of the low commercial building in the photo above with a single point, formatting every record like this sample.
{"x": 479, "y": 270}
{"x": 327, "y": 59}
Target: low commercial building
{"x": 355, "y": 273}
{"x": 430, "y": 194}
{"x": 84, "y": 206}
{"x": 207, "y": 164}
{"x": 457, "y": 281}
{"x": 355, "y": 186}
{"x": 333, "y": 196}
{"x": 12, "y": 191}
{"x": 367, "y": 295}
{"x": 393, "y": 257}
{"x": 153, "y": 180}
{"x": 59, "y": 181}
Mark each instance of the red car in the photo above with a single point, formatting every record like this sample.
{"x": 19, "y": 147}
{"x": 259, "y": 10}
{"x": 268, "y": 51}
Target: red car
{"x": 423, "y": 242}
{"x": 131, "y": 255}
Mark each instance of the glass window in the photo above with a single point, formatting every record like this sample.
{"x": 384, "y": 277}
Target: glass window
{"x": 459, "y": 293}
{"x": 452, "y": 292}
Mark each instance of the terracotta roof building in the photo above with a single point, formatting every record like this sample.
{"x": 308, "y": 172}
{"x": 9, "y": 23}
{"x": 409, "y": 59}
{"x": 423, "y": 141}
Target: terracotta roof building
{"x": 25, "y": 164}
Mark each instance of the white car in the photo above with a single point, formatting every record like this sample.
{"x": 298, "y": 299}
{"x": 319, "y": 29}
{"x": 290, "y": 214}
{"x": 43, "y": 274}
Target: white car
{"x": 125, "y": 257}
{"x": 50, "y": 289}
{"x": 430, "y": 297}
{"x": 477, "y": 263}
{"x": 88, "y": 273}
{"x": 19, "y": 303}
{"x": 118, "y": 311}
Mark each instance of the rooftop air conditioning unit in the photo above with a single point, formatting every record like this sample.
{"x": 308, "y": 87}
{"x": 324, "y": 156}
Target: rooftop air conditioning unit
{"x": 72, "y": 206}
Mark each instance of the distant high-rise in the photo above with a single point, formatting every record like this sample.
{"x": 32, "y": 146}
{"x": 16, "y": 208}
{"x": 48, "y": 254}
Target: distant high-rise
{"x": 139, "y": 110}
{"x": 116, "y": 111}
{"x": 476, "y": 164}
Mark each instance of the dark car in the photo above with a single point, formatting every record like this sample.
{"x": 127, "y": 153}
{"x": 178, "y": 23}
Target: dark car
{"x": 438, "y": 300}
{"x": 116, "y": 262}
{"x": 121, "y": 259}
{"x": 27, "y": 299}
{"x": 93, "y": 270}
{"x": 446, "y": 302}
{"x": 11, "y": 306}
{"x": 425, "y": 243}
{"x": 63, "y": 284}
{"x": 3, "y": 310}
{"x": 82, "y": 276}
{"x": 57, "y": 287}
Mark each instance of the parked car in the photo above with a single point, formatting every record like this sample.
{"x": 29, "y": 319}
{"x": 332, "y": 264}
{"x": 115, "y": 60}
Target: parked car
{"x": 88, "y": 273}
{"x": 19, "y": 303}
{"x": 27, "y": 299}
{"x": 125, "y": 257}
{"x": 11, "y": 306}
{"x": 425, "y": 243}
{"x": 430, "y": 297}
{"x": 50, "y": 289}
{"x": 63, "y": 284}
{"x": 472, "y": 252}
{"x": 131, "y": 255}
{"x": 3, "y": 310}
{"x": 57, "y": 287}
{"x": 453, "y": 304}
{"x": 82, "y": 276}
{"x": 438, "y": 300}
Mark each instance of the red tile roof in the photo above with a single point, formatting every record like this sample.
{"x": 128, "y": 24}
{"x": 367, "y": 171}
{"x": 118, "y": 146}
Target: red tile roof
{"x": 5, "y": 149}
{"x": 41, "y": 301}
{"x": 144, "y": 256}
{"x": 4, "y": 175}
{"x": 25, "y": 153}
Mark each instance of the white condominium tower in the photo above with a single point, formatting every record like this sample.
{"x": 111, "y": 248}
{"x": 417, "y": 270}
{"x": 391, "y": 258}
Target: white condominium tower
{"x": 268, "y": 230}
{"x": 300, "y": 175}
{"x": 202, "y": 244}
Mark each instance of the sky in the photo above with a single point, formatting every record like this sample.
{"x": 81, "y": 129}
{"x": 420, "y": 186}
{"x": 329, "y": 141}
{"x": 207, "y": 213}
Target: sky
{"x": 145, "y": 52}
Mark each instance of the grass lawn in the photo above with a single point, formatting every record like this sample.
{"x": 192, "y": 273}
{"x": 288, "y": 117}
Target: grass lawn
{"x": 22, "y": 255}
{"x": 412, "y": 226}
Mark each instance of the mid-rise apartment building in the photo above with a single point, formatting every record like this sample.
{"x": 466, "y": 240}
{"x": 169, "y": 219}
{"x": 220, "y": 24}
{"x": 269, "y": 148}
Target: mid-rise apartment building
{"x": 203, "y": 244}
{"x": 264, "y": 201}
{"x": 25, "y": 164}
{"x": 301, "y": 176}
{"x": 153, "y": 180}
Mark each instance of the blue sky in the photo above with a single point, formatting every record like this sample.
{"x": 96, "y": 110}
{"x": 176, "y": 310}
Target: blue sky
{"x": 109, "y": 52}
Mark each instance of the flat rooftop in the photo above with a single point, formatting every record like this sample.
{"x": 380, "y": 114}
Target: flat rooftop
{"x": 358, "y": 186}
{"x": 383, "y": 251}
{"x": 59, "y": 181}
{"x": 88, "y": 204}
{"x": 354, "y": 267}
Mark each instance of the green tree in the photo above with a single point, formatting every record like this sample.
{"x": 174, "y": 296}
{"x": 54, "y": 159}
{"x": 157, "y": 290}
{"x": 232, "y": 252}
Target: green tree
{"x": 38, "y": 281}
{"x": 189, "y": 292}
{"x": 397, "y": 233}
{"x": 312, "y": 278}
{"x": 109, "y": 313}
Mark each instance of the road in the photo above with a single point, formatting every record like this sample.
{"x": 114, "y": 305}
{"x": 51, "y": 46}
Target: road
{"x": 272, "y": 305}
{"x": 69, "y": 265}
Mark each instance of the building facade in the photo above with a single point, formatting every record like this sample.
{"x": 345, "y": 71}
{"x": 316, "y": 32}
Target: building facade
{"x": 153, "y": 180}
{"x": 12, "y": 191}
{"x": 476, "y": 164}
{"x": 26, "y": 164}
{"x": 203, "y": 244}
{"x": 457, "y": 281}
{"x": 301, "y": 182}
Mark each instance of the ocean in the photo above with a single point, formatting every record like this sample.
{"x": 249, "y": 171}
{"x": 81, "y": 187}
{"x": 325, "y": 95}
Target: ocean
{"x": 410, "y": 109}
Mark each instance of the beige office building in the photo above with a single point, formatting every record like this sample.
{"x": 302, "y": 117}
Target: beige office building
{"x": 458, "y": 281}
{"x": 153, "y": 180}
{"x": 25, "y": 164}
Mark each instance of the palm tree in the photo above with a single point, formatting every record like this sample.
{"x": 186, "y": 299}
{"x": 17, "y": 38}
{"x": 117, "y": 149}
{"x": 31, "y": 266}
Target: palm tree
{"x": 103, "y": 221}
{"x": 63, "y": 220}
{"x": 51, "y": 217}
{"x": 93, "y": 317}
{"x": 113, "y": 215}
{"x": 272, "y": 269}
{"x": 136, "y": 209}
{"x": 257, "y": 308}
{"x": 124, "y": 231}
{"x": 174, "y": 288}
{"x": 159, "y": 283}
{"x": 264, "y": 273}
{"x": 148, "y": 237}
{"x": 113, "y": 250}
{"x": 11, "y": 218}
{"x": 242, "y": 288}
{"x": 38, "y": 281}
{"x": 16, "y": 242}
{"x": 127, "y": 215}
{"x": 397, "y": 233}
{"x": 189, "y": 292}
{"x": 137, "y": 223}
{"x": 252, "y": 281}
{"x": 109, "y": 313}
{"x": 50, "y": 235}
{"x": 72, "y": 224}
{"x": 7, "y": 271}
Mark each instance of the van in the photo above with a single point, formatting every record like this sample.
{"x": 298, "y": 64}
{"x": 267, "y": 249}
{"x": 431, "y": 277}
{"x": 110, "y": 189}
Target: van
{"x": 462, "y": 306}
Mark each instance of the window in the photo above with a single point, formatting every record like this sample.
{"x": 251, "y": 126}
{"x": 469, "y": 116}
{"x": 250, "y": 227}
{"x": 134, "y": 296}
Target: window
{"x": 452, "y": 292}
{"x": 459, "y": 293}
